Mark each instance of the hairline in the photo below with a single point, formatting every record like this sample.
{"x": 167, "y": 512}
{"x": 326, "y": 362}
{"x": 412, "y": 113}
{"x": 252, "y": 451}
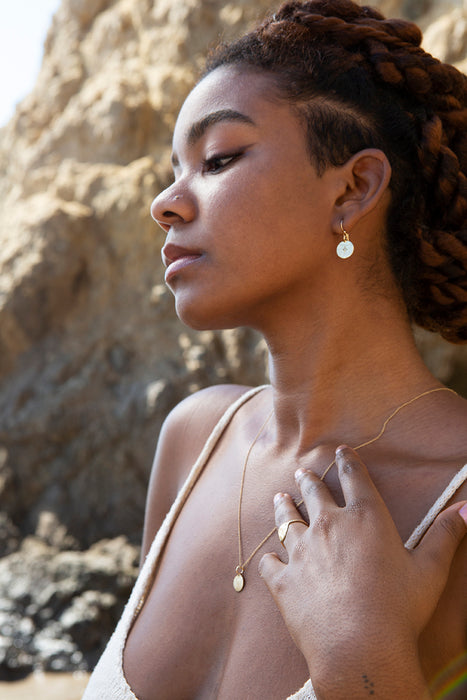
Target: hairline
{"x": 300, "y": 106}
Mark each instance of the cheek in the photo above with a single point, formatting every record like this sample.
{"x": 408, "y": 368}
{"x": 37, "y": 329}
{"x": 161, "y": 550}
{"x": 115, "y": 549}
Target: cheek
{"x": 236, "y": 216}
{"x": 247, "y": 202}
{"x": 266, "y": 218}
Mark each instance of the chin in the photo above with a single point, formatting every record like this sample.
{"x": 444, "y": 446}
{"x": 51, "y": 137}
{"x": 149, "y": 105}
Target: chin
{"x": 203, "y": 317}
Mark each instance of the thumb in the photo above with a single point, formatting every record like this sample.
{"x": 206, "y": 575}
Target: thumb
{"x": 270, "y": 568}
{"x": 436, "y": 551}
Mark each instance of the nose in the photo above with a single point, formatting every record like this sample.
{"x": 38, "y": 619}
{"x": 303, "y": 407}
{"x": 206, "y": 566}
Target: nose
{"x": 170, "y": 208}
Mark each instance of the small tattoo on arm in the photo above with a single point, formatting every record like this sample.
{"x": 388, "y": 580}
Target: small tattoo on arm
{"x": 368, "y": 685}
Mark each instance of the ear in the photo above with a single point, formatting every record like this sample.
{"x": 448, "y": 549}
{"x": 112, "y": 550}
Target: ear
{"x": 365, "y": 180}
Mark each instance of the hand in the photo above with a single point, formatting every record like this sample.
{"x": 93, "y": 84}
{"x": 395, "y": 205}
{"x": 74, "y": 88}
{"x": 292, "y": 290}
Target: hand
{"x": 352, "y": 596}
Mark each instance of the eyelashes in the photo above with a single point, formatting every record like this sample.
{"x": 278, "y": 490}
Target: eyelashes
{"x": 219, "y": 162}
{"x": 214, "y": 164}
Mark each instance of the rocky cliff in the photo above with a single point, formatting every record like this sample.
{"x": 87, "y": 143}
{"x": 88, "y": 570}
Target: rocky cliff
{"x": 91, "y": 356}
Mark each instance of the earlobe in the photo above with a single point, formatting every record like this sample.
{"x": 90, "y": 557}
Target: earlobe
{"x": 366, "y": 176}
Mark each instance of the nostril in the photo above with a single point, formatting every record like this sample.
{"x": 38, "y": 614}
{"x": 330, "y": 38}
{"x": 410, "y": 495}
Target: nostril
{"x": 166, "y": 217}
{"x": 165, "y": 227}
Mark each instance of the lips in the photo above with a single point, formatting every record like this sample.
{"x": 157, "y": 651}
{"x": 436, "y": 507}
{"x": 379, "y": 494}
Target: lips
{"x": 175, "y": 258}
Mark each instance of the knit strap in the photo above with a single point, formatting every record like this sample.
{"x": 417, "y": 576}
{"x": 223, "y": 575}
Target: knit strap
{"x": 437, "y": 507}
{"x": 145, "y": 579}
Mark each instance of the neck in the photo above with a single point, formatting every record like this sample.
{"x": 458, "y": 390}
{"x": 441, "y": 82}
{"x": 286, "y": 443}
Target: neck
{"x": 337, "y": 380}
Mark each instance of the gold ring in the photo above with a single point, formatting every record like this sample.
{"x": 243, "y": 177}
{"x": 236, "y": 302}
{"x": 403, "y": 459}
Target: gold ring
{"x": 284, "y": 528}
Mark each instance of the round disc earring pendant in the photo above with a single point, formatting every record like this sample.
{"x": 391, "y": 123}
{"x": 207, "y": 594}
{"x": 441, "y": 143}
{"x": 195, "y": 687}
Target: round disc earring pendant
{"x": 345, "y": 249}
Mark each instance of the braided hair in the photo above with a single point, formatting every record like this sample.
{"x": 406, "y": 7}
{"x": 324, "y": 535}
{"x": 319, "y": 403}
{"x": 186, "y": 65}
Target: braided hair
{"x": 362, "y": 81}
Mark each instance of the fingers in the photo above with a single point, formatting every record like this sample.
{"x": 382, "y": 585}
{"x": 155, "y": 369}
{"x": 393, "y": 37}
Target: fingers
{"x": 270, "y": 569}
{"x": 436, "y": 551}
{"x": 289, "y": 521}
{"x": 355, "y": 481}
{"x": 270, "y": 566}
{"x": 316, "y": 494}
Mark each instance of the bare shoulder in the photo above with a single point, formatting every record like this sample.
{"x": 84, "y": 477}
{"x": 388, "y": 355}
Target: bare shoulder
{"x": 189, "y": 424}
{"x": 181, "y": 440}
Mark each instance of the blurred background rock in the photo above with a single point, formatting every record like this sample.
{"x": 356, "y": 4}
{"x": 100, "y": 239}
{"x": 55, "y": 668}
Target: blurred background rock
{"x": 91, "y": 355}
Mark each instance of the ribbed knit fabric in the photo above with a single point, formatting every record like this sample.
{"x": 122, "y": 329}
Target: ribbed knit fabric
{"x": 437, "y": 507}
{"x": 108, "y": 681}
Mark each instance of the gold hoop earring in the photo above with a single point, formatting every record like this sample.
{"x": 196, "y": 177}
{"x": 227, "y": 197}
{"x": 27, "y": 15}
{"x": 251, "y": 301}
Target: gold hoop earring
{"x": 345, "y": 247}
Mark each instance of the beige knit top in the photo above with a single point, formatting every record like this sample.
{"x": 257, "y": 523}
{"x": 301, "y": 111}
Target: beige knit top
{"x": 108, "y": 681}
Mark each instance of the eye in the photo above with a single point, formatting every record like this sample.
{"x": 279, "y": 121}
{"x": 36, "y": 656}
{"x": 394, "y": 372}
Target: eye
{"x": 218, "y": 162}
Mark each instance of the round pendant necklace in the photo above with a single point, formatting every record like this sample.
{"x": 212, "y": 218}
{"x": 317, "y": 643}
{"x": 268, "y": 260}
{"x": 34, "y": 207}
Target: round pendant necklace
{"x": 239, "y": 578}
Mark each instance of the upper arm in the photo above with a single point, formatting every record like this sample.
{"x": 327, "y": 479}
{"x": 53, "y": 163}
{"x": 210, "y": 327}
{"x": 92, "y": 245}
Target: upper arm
{"x": 181, "y": 440}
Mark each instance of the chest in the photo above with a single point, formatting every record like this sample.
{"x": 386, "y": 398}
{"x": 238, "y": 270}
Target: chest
{"x": 197, "y": 637}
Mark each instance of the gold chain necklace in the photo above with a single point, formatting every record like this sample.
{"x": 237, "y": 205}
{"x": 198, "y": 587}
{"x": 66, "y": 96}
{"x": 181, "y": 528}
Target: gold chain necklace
{"x": 239, "y": 578}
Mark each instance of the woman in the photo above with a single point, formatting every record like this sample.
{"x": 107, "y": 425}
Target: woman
{"x": 320, "y": 198}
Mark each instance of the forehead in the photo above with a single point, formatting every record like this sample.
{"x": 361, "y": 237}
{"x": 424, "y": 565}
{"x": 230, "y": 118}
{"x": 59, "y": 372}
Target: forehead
{"x": 231, "y": 88}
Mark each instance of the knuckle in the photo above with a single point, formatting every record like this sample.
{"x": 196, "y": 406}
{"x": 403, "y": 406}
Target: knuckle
{"x": 282, "y": 511}
{"x": 359, "y": 506}
{"x": 452, "y": 526}
{"x": 350, "y": 464}
{"x": 300, "y": 550}
{"x": 311, "y": 486}
{"x": 322, "y": 523}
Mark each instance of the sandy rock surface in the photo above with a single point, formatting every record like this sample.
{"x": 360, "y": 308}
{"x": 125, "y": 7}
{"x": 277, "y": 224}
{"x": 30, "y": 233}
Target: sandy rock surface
{"x": 46, "y": 686}
{"x": 91, "y": 356}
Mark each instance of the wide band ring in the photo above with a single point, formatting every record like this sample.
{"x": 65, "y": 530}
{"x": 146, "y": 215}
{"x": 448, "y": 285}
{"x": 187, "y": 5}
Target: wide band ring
{"x": 284, "y": 528}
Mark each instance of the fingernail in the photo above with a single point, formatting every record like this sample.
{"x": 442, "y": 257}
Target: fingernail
{"x": 299, "y": 474}
{"x": 278, "y": 498}
{"x": 463, "y": 513}
{"x": 341, "y": 449}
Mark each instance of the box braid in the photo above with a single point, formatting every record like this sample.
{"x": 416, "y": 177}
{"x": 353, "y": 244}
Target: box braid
{"x": 362, "y": 81}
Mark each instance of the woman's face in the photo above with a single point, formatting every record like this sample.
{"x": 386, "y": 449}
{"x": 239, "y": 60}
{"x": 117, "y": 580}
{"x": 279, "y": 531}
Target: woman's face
{"x": 248, "y": 220}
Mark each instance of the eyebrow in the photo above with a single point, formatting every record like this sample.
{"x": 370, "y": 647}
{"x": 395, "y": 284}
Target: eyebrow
{"x": 199, "y": 128}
